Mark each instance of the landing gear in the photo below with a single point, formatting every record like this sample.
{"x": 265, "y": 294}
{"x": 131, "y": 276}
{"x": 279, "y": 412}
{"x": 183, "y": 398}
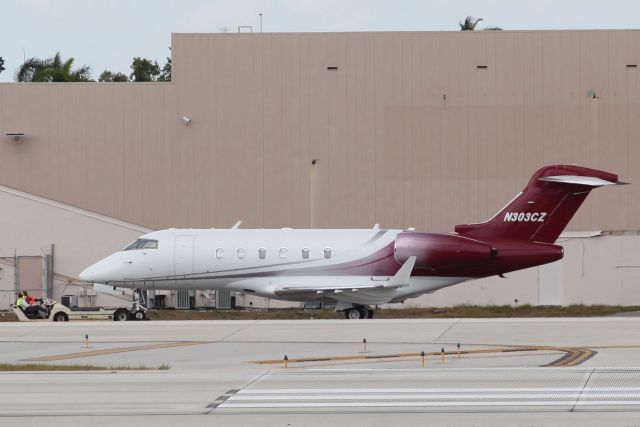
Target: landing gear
{"x": 353, "y": 313}
{"x": 358, "y": 312}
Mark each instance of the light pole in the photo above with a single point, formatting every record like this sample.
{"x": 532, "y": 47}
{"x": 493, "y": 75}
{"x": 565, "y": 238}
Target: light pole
{"x": 260, "y": 21}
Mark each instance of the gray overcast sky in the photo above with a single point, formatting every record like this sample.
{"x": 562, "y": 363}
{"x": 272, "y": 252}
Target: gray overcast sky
{"x": 109, "y": 33}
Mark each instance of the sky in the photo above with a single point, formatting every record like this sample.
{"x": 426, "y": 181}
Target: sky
{"x": 107, "y": 34}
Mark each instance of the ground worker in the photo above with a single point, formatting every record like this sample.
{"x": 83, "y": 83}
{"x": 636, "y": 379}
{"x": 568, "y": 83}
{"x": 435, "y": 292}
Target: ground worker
{"x": 30, "y": 300}
{"x": 21, "y": 302}
{"x": 32, "y": 309}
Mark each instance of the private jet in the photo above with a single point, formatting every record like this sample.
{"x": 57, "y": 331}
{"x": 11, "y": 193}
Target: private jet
{"x": 355, "y": 269}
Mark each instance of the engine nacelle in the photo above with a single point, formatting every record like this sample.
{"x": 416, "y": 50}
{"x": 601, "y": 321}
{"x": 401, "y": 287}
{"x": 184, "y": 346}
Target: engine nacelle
{"x": 436, "y": 251}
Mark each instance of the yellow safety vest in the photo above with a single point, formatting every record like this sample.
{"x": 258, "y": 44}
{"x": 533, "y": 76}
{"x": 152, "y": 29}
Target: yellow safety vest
{"x": 21, "y": 302}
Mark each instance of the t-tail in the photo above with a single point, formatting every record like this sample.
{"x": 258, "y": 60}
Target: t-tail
{"x": 544, "y": 208}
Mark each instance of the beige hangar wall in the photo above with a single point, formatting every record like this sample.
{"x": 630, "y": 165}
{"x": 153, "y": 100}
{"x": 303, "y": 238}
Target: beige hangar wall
{"x": 422, "y": 129}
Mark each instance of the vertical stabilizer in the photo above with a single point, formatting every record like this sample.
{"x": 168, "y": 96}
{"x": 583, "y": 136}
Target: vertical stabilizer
{"x": 545, "y": 207}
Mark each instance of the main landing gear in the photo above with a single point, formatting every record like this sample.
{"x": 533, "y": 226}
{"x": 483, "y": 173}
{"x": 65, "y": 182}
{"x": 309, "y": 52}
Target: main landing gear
{"x": 359, "y": 312}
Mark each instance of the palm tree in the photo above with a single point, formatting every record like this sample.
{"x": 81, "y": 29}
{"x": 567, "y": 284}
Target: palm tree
{"x": 52, "y": 70}
{"x": 469, "y": 24}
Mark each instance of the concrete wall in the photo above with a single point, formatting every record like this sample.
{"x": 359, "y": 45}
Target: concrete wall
{"x": 30, "y": 224}
{"x": 595, "y": 270}
{"x": 604, "y": 269}
{"x": 423, "y": 129}
{"x": 389, "y": 147}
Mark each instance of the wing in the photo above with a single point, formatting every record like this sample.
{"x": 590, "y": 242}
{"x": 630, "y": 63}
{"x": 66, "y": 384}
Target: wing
{"x": 399, "y": 280}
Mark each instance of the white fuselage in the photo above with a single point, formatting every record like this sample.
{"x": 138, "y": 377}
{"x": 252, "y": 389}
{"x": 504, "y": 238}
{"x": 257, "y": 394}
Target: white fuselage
{"x": 340, "y": 265}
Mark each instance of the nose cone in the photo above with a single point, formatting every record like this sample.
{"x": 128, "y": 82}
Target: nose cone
{"x": 88, "y": 275}
{"x": 93, "y": 274}
{"x": 101, "y": 272}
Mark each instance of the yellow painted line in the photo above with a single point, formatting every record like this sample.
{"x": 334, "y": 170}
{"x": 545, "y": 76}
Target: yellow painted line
{"x": 572, "y": 357}
{"x": 105, "y": 351}
{"x": 396, "y": 355}
{"x": 615, "y": 346}
{"x": 575, "y": 357}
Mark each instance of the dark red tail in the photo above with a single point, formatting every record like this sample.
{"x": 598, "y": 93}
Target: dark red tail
{"x": 544, "y": 208}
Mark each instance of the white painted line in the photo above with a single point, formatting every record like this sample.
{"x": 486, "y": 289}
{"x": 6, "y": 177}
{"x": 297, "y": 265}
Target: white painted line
{"x": 428, "y": 404}
{"x": 538, "y": 370}
{"x": 436, "y": 390}
{"x": 504, "y": 396}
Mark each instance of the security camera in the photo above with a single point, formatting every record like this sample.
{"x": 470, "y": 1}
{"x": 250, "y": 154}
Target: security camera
{"x": 186, "y": 120}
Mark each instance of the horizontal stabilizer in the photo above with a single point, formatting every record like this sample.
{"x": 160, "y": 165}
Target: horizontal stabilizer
{"x": 590, "y": 181}
{"x": 544, "y": 208}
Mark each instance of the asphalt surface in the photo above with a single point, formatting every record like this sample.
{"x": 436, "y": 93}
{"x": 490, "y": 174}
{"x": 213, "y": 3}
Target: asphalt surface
{"x": 233, "y": 373}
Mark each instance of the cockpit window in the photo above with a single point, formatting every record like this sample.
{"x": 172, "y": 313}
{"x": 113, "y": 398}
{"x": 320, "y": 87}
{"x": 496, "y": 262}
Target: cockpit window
{"x": 142, "y": 244}
{"x": 133, "y": 245}
{"x": 149, "y": 244}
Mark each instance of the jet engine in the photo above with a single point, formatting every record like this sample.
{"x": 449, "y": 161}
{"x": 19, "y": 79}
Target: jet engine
{"x": 438, "y": 251}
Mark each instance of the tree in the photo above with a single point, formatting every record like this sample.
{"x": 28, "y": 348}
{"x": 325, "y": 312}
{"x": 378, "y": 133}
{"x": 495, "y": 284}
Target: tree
{"x": 52, "y": 70}
{"x": 165, "y": 73}
{"x": 1, "y": 64}
{"x": 108, "y": 76}
{"x": 144, "y": 70}
{"x": 469, "y": 24}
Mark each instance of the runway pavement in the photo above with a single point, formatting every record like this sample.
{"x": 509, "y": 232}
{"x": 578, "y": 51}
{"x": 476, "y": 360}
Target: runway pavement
{"x": 511, "y": 389}
{"x": 232, "y": 373}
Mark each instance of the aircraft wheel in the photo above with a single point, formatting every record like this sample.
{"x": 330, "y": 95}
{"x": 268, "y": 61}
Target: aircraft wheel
{"x": 370, "y": 314}
{"x": 139, "y": 315}
{"x": 365, "y": 312}
{"x": 352, "y": 314}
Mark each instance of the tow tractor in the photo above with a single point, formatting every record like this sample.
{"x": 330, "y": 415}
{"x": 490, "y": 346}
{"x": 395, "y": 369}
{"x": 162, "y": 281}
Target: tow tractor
{"x": 52, "y": 311}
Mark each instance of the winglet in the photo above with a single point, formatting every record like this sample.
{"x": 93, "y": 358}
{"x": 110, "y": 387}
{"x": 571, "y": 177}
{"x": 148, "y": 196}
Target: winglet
{"x": 236, "y": 225}
{"x": 401, "y": 278}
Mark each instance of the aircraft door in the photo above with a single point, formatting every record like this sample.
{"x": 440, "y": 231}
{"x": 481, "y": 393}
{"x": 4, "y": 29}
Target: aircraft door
{"x": 183, "y": 261}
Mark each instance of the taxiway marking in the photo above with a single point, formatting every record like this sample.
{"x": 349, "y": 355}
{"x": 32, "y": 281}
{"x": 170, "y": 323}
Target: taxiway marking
{"x": 105, "y": 351}
{"x": 570, "y": 397}
{"x": 572, "y": 356}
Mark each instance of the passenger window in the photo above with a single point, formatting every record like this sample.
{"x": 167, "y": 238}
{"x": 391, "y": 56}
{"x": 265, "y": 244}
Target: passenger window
{"x": 305, "y": 253}
{"x": 219, "y": 253}
{"x": 262, "y": 253}
{"x": 327, "y": 253}
{"x": 283, "y": 253}
{"x": 241, "y": 253}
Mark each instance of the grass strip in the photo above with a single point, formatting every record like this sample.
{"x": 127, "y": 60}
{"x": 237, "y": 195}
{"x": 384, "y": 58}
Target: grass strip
{"x": 34, "y": 367}
{"x": 458, "y": 311}
{"x": 407, "y": 312}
